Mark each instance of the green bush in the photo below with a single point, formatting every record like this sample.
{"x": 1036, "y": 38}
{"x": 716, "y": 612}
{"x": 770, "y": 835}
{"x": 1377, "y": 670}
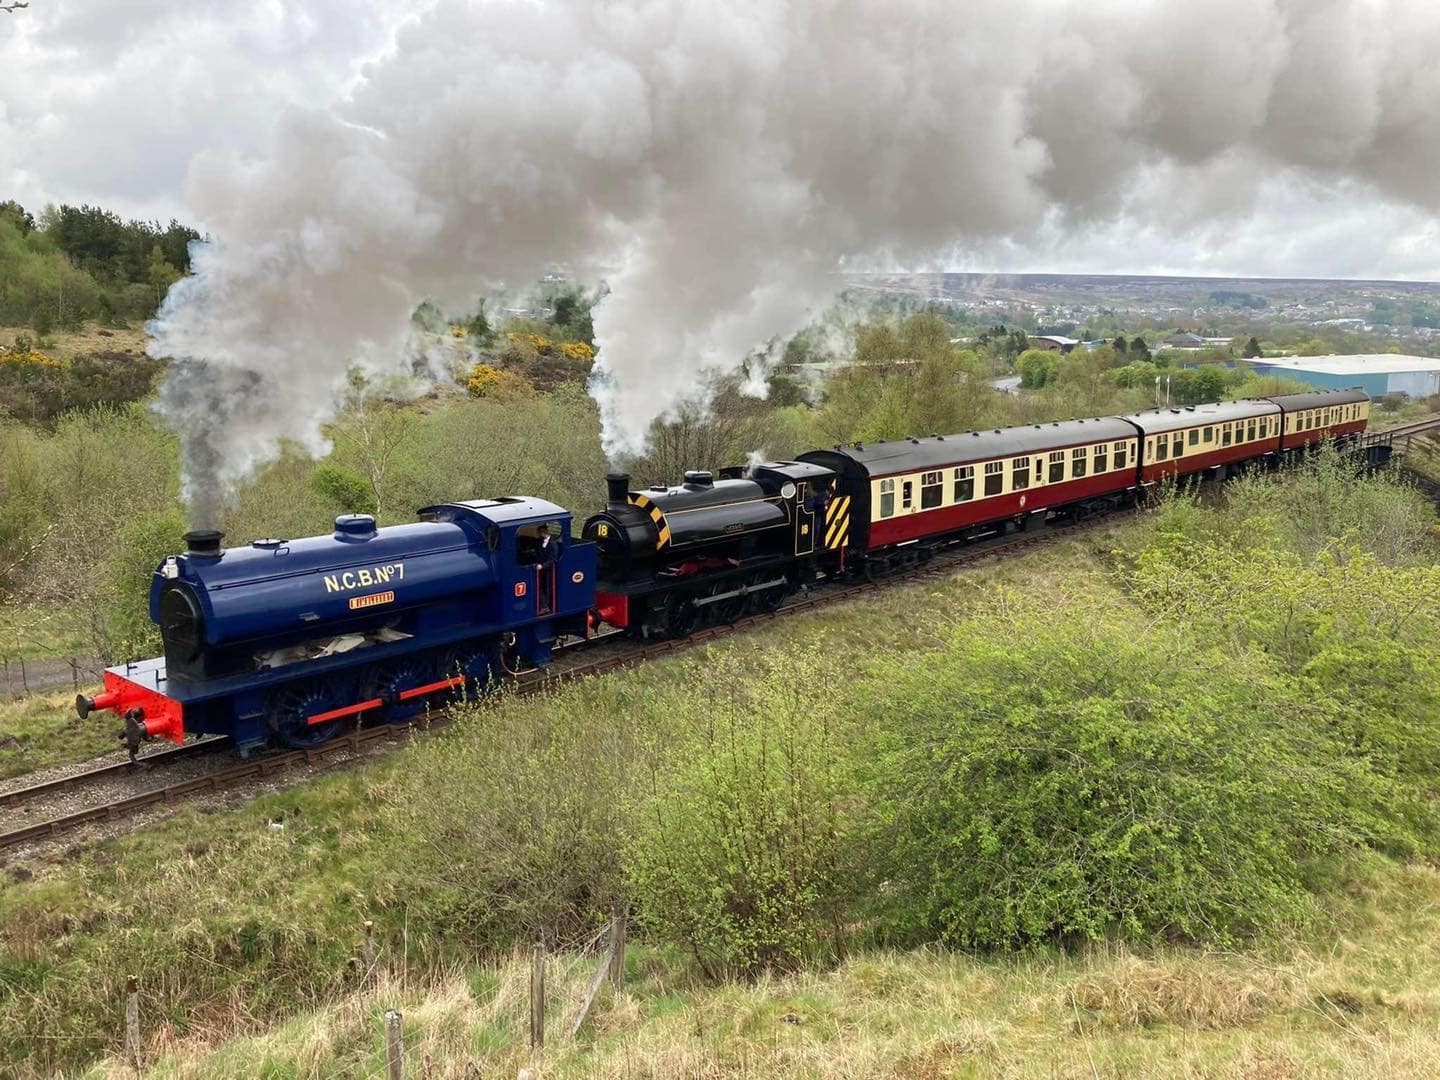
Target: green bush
{"x": 738, "y": 847}
{"x": 514, "y": 818}
{"x": 1048, "y": 775}
{"x": 143, "y": 544}
{"x": 345, "y": 488}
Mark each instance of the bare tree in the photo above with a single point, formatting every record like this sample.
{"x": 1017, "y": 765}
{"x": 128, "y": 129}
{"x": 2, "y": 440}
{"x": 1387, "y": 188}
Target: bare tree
{"x": 14, "y": 5}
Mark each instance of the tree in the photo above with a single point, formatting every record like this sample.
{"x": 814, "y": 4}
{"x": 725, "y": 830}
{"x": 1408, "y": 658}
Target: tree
{"x": 479, "y": 326}
{"x": 161, "y": 274}
{"x": 1119, "y": 344}
{"x": 1314, "y": 347}
{"x": 17, "y": 215}
{"x": 1036, "y": 367}
{"x": 1252, "y": 349}
{"x": 1139, "y": 349}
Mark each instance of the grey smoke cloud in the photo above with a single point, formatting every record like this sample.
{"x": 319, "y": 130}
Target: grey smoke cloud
{"x": 717, "y": 163}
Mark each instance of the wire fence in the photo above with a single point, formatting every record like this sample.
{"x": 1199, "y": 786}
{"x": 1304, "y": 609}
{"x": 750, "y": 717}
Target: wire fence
{"x": 21, "y": 676}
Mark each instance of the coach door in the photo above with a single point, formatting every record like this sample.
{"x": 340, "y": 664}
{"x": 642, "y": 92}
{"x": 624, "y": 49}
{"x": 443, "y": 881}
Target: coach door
{"x": 804, "y": 520}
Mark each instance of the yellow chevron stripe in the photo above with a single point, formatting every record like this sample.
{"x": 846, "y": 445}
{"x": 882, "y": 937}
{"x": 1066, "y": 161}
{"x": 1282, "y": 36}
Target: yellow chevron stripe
{"x": 655, "y": 515}
{"x": 639, "y": 500}
{"x": 835, "y": 507}
{"x": 844, "y": 536}
{"x": 664, "y": 537}
{"x": 834, "y": 536}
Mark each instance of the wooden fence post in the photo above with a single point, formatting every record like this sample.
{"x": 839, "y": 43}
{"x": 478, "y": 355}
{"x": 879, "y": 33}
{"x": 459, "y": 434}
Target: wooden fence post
{"x": 75, "y": 674}
{"x": 132, "y": 1021}
{"x": 394, "y": 1045}
{"x": 24, "y": 680}
{"x": 9, "y": 687}
{"x": 617, "y": 945}
{"x": 537, "y": 997}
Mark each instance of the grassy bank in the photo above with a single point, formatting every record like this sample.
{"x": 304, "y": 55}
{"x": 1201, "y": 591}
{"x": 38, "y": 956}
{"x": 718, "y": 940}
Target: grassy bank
{"x": 1360, "y": 1003}
{"x": 1165, "y": 794}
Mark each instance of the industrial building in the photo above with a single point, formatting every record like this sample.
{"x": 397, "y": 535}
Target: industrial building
{"x": 1377, "y": 375}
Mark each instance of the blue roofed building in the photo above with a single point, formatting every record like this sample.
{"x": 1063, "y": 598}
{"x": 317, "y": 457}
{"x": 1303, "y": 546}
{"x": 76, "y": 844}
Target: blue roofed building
{"x": 1376, "y": 374}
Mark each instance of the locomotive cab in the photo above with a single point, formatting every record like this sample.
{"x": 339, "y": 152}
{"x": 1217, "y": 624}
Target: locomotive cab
{"x": 708, "y": 550}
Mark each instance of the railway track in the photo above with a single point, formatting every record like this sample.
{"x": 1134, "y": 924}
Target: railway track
{"x": 358, "y": 739}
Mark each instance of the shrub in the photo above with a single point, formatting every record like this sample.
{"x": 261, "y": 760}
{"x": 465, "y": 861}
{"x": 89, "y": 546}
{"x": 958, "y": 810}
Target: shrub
{"x": 347, "y": 489}
{"x": 514, "y": 817}
{"x": 1049, "y": 776}
{"x": 738, "y": 846}
{"x": 143, "y": 543}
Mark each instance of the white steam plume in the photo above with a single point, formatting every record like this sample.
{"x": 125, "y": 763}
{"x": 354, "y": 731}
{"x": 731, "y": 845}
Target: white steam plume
{"x": 716, "y": 163}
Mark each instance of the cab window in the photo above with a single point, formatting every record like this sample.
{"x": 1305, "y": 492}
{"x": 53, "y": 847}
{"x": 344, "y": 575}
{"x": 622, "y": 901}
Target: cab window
{"x": 1057, "y": 466}
{"x": 965, "y": 483}
{"x": 887, "y": 498}
{"x": 1020, "y": 474}
{"x": 994, "y": 477}
{"x": 932, "y": 490}
{"x": 1078, "y": 458}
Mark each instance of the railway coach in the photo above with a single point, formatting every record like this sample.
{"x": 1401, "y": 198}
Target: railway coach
{"x": 1322, "y": 416}
{"x": 896, "y": 503}
{"x": 1212, "y": 441}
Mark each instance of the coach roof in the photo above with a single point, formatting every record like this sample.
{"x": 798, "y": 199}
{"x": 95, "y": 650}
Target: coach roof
{"x": 1216, "y": 412}
{"x": 939, "y": 451}
{"x": 1319, "y": 399}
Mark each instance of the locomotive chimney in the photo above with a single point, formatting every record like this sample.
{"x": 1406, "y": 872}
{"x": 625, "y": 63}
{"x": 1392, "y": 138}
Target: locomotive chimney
{"x": 619, "y": 486}
{"x": 203, "y": 543}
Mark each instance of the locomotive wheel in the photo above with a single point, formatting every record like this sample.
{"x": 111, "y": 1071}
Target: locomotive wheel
{"x": 289, "y": 708}
{"x": 388, "y": 680}
{"x": 728, "y": 610}
{"x": 480, "y": 664}
{"x": 683, "y": 618}
{"x": 763, "y": 603}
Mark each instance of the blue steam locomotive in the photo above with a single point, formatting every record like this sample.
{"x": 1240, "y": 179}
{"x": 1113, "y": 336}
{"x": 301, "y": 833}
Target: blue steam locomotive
{"x": 288, "y": 640}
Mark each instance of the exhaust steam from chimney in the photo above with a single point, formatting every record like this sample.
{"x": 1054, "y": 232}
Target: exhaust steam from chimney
{"x": 717, "y": 164}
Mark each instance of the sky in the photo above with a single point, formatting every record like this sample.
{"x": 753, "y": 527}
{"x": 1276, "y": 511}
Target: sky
{"x": 109, "y": 103}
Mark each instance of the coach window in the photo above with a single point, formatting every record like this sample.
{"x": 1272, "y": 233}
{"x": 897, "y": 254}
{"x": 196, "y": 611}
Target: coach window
{"x": 1224, "y": 434}
{"x": 1178, "y": 448}
{"x": 1077, "y": 461}
{"x": 1162, "y": 447}
{"x": 1039, "y": 471}
{"x": 1194, "y": 436}
{"x": 1120, "y": 455}
{"x": 932, "y": 489}
{"x": 1209, "y": 434}
{"x": 994, "y": 477}
{"x": 1250, "y": 431}
{"x": 964, "y": 483}
{"x": 1264, "y": 426}
{"x": 1057, "y": 466}
{"x": 887, "y": 498}
{"x": 1020, "y": 474}
{"x": 907, "y": 494}
{"x": 1102, "y": 458}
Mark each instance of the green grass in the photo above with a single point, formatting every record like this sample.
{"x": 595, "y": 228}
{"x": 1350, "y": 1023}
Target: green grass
{"x": 37, "y": 633}
{"x": 244, "y": 923}
{"x": 43, "y": 730}
{"x": 237, "y": 923}
{"x": 1358, "y": 1002}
